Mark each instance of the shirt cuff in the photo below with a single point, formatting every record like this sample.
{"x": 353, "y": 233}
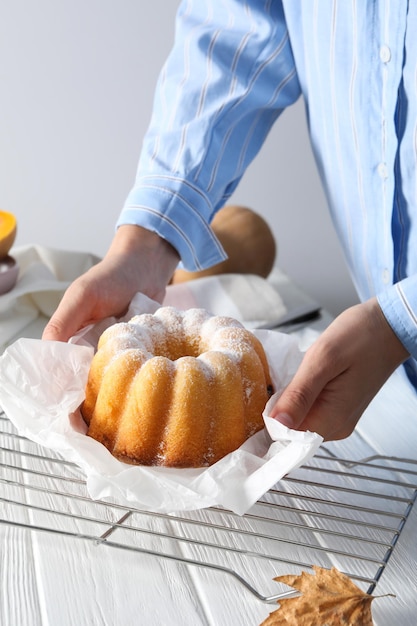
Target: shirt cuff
{"x": 399, "y": 305}
{"x": 178, "y": 212}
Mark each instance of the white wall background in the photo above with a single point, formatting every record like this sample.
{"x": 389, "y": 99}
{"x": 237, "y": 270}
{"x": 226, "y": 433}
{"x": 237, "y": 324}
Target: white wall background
{"x": 76, "y": 84}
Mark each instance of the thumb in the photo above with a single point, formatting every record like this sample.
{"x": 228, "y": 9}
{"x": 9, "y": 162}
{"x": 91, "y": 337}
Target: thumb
{"x": 62, "y": 327}
{"x": 58, "y": 329}
{"x": 295, "y": 402}
{"x": 69, "y": 317}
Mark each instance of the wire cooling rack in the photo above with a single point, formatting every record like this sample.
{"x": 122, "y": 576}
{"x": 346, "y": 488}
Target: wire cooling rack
{"x": 330, "y": 512}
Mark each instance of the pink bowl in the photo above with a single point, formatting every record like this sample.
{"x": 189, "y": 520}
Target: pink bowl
{"x": 9, "y": 271}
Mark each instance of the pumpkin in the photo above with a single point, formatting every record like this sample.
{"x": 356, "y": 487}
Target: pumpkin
{"x": 247, "y": 240}
{"x": 8, "y": 228}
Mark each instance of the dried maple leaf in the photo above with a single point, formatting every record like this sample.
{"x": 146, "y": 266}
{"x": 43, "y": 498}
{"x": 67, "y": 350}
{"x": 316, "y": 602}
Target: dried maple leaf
{"x": 329, "y": 598}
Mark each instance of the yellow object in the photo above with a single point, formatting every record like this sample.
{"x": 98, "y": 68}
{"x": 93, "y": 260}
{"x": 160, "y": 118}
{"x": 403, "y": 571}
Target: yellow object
{"x": 177, "y": 388}
{"x": 247, "y": 240}
{"x": 8, "y": 227}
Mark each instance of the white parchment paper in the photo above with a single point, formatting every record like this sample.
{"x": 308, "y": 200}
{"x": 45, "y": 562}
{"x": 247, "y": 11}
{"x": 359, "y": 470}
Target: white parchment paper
{"x": 42, "y": 386}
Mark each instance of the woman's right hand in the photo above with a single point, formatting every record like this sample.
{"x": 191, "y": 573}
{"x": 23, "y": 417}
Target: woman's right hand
{"x": 138, "y": 260}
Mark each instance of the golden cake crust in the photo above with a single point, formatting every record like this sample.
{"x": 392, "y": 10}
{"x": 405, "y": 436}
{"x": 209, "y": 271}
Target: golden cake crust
{"x": 176, "y": 388}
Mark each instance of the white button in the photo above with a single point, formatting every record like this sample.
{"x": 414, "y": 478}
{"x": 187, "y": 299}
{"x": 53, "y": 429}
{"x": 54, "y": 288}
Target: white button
{"x": 385, "y": 276}
{"x": 385, "y": 54}
{"x": 383, "y": 170}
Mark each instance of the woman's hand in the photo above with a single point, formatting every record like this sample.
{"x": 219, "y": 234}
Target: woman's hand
{"x": 341, "y": 373}
{"x": 138, "y": 260}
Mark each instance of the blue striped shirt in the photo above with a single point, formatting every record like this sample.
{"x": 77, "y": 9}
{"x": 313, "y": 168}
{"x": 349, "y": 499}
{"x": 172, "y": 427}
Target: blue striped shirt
{"x": 234, "y": 67}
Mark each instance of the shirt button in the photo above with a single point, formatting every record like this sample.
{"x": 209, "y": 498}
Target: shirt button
{"x": 385, "y": 54}
{"x": 383, "y": 171}
{"x": 385, "y": 276}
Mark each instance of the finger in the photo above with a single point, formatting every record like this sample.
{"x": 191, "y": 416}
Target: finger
{"x": 69, "y": 317}
{"x": 57, "y": 329}
{"x": 331, "y": 410}
{"x": 294, "y": 404}
{"x": 297, "y": 399}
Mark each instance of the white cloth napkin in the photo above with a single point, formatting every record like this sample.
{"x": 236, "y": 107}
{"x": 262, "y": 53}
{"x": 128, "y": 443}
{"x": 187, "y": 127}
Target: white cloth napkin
{"x": 246, "y": 297}
{"x": 44, "y": 275}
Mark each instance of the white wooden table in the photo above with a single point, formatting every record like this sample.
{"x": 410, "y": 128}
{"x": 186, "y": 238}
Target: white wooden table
{"x": 53, "y": 579}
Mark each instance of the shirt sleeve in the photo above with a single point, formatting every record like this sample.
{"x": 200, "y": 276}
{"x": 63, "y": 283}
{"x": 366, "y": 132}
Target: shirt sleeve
{"x": 399, "y": 305}
{"x": 228, "y": 77}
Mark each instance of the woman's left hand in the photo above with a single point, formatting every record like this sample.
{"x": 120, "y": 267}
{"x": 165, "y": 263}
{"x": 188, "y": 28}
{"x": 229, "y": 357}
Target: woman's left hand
{"x": 341, "y": 373}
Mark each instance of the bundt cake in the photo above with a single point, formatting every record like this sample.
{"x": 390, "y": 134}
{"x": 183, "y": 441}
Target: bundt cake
{"x": 176, "y": 388}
